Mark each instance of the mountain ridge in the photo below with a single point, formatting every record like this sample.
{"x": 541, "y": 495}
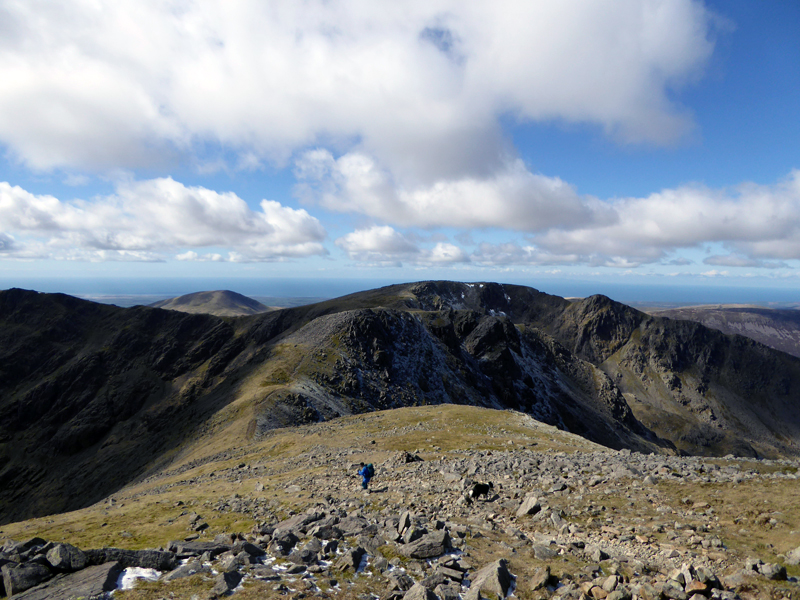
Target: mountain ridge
{"x": 92, "y": 396}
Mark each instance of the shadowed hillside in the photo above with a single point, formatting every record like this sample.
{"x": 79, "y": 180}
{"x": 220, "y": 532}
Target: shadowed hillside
{"x": 92, "y": 396}
{"x": 776, "y": 328}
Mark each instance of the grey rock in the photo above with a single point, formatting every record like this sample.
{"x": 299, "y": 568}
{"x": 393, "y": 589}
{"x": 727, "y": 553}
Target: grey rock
{"x": 146, "y": 559}
{"x": 434, "y": 579}
{"x": 18, "y": 578}
{"x": 793, "y": 557}
{"x": 350, "y": 560}
{"x": 419, "y": 592}
{"x": 674, "y": 590}
{"x": 399, "y": 580}
{"x": 226, "y": 582}
{"x": 66, "y": 558}
{"x": 190, "y": 568}
{"x": 544, "y": 552}
{"x": 773, "y": 571}
{"x": 449, "y": 591}
{"x": 494, "y": 578}
{"x": 596, "y": 554}
{"x": 91, "y": 582}
{"x": 530, "y": 506}
{"x": 412, "y": 534}
{"x": 304, "y": 556}
{"x": 540, "y": 578}
{"x": 428, "y": 546}
{"x": 299, "y": 522}
{"x": 619, "y": 594}
{"x": 350, "y": 526}
{"x": 244, "y": 546}
{"x": 189, "y": 549}
{"x": 265, "y": 573}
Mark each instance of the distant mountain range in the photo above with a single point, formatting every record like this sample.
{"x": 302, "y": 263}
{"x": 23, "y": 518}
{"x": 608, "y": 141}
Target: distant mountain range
{"x": 222, "y": 303}
{"x": 93, "y": 396}
{"x": 776, "y": 328}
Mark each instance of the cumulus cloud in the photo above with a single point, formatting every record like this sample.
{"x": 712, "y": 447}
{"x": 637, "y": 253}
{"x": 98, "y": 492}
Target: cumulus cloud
{"x": 421, "y": 85}
{"x": 756, "y": 222}
{"x": 146, "y": 218}
{"x": 385, "y": 245}
{"x": 513, "y": 198}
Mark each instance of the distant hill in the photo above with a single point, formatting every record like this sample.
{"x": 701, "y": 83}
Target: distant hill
{"x": 222, "y": 303}
{"x": 776, "y": 328}
{"x": 94, "y": 396}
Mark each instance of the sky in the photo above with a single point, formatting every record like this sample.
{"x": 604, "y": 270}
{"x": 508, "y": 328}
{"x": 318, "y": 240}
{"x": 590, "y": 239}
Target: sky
{"x": 635, "y": 142}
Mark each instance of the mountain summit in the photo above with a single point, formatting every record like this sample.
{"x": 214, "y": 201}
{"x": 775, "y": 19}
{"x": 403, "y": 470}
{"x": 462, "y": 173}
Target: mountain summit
{"x": 222, "y": 303}
{"x": 93, "y": 396}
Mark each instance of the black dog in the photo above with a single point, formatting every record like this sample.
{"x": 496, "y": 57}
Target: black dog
{"x": 481, "y": 489}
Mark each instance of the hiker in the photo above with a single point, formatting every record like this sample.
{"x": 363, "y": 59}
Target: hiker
{"x": 367, "y": 472}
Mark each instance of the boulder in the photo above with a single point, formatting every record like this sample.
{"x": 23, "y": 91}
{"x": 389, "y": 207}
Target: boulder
{"x": 773, "y": 571}
{"x": 428, "y": 546}
{"x": 419, "y": 592}
{"x": 350, "y": 560}
{"x": 189, "y": 549}
{"x": 66, "y": 558}
{"x": 226, "y": 582}
{"x": 303, "y": 556}
{"x": 674, "y": 590}
{"x": 793, "y": 557}
{"x": 190, "y": 568}
{"x": 399, "y": 580}
{"x": 145, "y": 559}
{"x": 351, "y": 526}
{"x": 494, "y": 578}
{"x": 244, "y": 546}
{"x": 530, "y": 506}
{"x": 91, "y": 582}
{"x": 299, "y": 522}
{"x": 18, "y": 578}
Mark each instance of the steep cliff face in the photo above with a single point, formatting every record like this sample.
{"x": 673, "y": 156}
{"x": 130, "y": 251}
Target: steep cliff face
{"x": 776, "y": 328}
{"x": 91, "y": 396}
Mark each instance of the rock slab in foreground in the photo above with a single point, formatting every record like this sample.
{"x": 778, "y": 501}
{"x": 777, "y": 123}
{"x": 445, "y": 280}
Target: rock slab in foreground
{"x": 90, "y": 582}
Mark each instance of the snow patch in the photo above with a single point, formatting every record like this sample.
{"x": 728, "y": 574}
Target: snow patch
{"x": 127, "y": 579}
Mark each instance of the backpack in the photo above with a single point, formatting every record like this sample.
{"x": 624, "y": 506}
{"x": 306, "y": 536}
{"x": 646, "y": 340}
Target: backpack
{"x": 370, "y": 471}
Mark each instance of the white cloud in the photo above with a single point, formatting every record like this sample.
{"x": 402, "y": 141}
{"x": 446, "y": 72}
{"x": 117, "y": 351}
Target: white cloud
{"x": 145, "y": 218}
{"x": 513, "y": 198}
{"x": 756, "y": 222}
{"x": 384, "y": 245}
{"x": 7, "y": 243}
{"x": 421, "y": 84}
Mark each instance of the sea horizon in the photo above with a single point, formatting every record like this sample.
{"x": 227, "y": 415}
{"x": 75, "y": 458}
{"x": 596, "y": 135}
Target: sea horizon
{"x": 143, "y": 291}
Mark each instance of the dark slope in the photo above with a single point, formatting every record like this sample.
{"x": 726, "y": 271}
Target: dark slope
{"x": 92, "y": 396}
{"x": 776, "y": 328}
{"x": 89, "y": 393}
{"x": 222, "y": 303}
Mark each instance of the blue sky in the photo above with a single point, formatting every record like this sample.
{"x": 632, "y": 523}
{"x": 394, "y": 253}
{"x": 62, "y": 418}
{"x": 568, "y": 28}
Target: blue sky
{"x": 630, "y": 142}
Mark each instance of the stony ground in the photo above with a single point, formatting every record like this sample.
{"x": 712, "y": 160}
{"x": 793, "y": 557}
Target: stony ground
{"x": 564, "y": 518}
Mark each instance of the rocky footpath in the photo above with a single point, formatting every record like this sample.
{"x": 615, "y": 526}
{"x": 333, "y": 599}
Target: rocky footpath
{"x": 580, "y": 526}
